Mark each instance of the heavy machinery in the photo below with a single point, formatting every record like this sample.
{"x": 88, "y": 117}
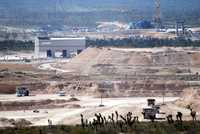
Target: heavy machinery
{"x": 22, "y": 91}
{"x": 61, "y": 93}
{"x": 149, "y": 112}
{"x": 152, "y": 111}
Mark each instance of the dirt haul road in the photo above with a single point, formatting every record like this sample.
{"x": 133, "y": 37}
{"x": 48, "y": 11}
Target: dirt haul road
{"x": 88, "y": 106}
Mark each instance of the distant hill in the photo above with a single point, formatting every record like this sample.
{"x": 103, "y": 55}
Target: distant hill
{"x": 45, "y": 11}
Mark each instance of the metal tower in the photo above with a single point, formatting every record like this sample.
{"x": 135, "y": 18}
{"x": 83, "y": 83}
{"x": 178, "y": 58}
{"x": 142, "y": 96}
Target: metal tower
{"x": 157, "y": 18}
{"x": 59, "y": 8}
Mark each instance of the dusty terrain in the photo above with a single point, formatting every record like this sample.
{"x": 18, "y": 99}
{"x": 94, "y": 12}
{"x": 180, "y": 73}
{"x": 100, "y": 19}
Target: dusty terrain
{"x": 123, "y": 77}
{"x": 68, "y": 112}
{"x": 134, "y": 61}
{"x": 190, "y": 97}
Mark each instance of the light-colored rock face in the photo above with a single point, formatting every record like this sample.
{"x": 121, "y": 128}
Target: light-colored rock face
{"x": 129, "y": 61}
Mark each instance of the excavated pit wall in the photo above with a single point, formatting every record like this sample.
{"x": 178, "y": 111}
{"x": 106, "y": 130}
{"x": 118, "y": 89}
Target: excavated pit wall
{"x": 121, "y": 88}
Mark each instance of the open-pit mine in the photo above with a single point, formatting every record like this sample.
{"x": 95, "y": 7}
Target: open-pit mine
{"x": 120, "y": 79}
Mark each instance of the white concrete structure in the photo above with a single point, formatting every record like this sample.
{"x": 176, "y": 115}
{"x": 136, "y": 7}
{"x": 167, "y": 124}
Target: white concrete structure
{"x": 66, "y": 46}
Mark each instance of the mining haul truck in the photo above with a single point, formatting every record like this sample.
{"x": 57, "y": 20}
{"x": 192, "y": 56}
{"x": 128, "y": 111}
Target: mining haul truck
{"x": 22, "y": 91}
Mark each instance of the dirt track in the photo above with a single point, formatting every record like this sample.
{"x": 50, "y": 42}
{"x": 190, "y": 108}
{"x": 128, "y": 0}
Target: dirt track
{"x": 66, "y": 115}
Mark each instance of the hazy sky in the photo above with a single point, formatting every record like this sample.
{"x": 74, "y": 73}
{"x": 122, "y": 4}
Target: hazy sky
{"x": 100, "y": 4}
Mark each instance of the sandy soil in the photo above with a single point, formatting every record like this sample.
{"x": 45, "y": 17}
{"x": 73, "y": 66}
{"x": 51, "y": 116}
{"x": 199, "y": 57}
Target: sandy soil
{"x": 89, "y": 106}
{"x": 16, "y": 67}
{"x": 110, "y": 61}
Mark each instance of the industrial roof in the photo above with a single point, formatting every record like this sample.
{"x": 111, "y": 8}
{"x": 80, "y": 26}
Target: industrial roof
{"x": 61, "y": 38}
{"x": 80, "y": 38}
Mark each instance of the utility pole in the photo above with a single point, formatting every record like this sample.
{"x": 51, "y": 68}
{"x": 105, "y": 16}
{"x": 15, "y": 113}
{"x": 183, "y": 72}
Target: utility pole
{"x": 163, "y": 94}
{"x": 101, "y": 103}
{"x": 59, "y": 8}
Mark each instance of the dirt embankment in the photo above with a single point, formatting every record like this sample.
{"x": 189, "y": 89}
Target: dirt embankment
{"x": 19, "y": 75}
{"x": 120, "y": 88}
{"x": 7, "y": 88}
{"x": 10, "y": 87}
{"x": 190, "y": 97}
{"x": 39, "y": 104}
{"x": 17, "y": 67}
{"x": 4, "y": 122}
{"x": 109, "y": 60}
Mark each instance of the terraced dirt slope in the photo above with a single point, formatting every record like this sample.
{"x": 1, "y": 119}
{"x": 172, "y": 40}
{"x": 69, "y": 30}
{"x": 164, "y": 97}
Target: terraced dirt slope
{"x": 129, "y": 61}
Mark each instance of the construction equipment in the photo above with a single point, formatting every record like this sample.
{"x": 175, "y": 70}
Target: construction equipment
{"x": 149, "y": 112}
{"x": 22, "y": 91}
{"x": 157, "y": 17}
{"x": 152, "y": 110}
{"x": 61, "y": 93}
{"x": 151, "y": 102}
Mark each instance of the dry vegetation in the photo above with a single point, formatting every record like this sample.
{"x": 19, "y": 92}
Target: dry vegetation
{"x": 139, "y": 128}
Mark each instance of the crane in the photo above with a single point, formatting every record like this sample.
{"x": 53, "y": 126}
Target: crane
{"x": 60, "y": 8}
{"x": 157, "y": 17}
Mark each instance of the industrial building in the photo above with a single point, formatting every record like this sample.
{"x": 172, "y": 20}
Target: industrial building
{"x": 142, "y": 24}
{"x": 66, "y": 46}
